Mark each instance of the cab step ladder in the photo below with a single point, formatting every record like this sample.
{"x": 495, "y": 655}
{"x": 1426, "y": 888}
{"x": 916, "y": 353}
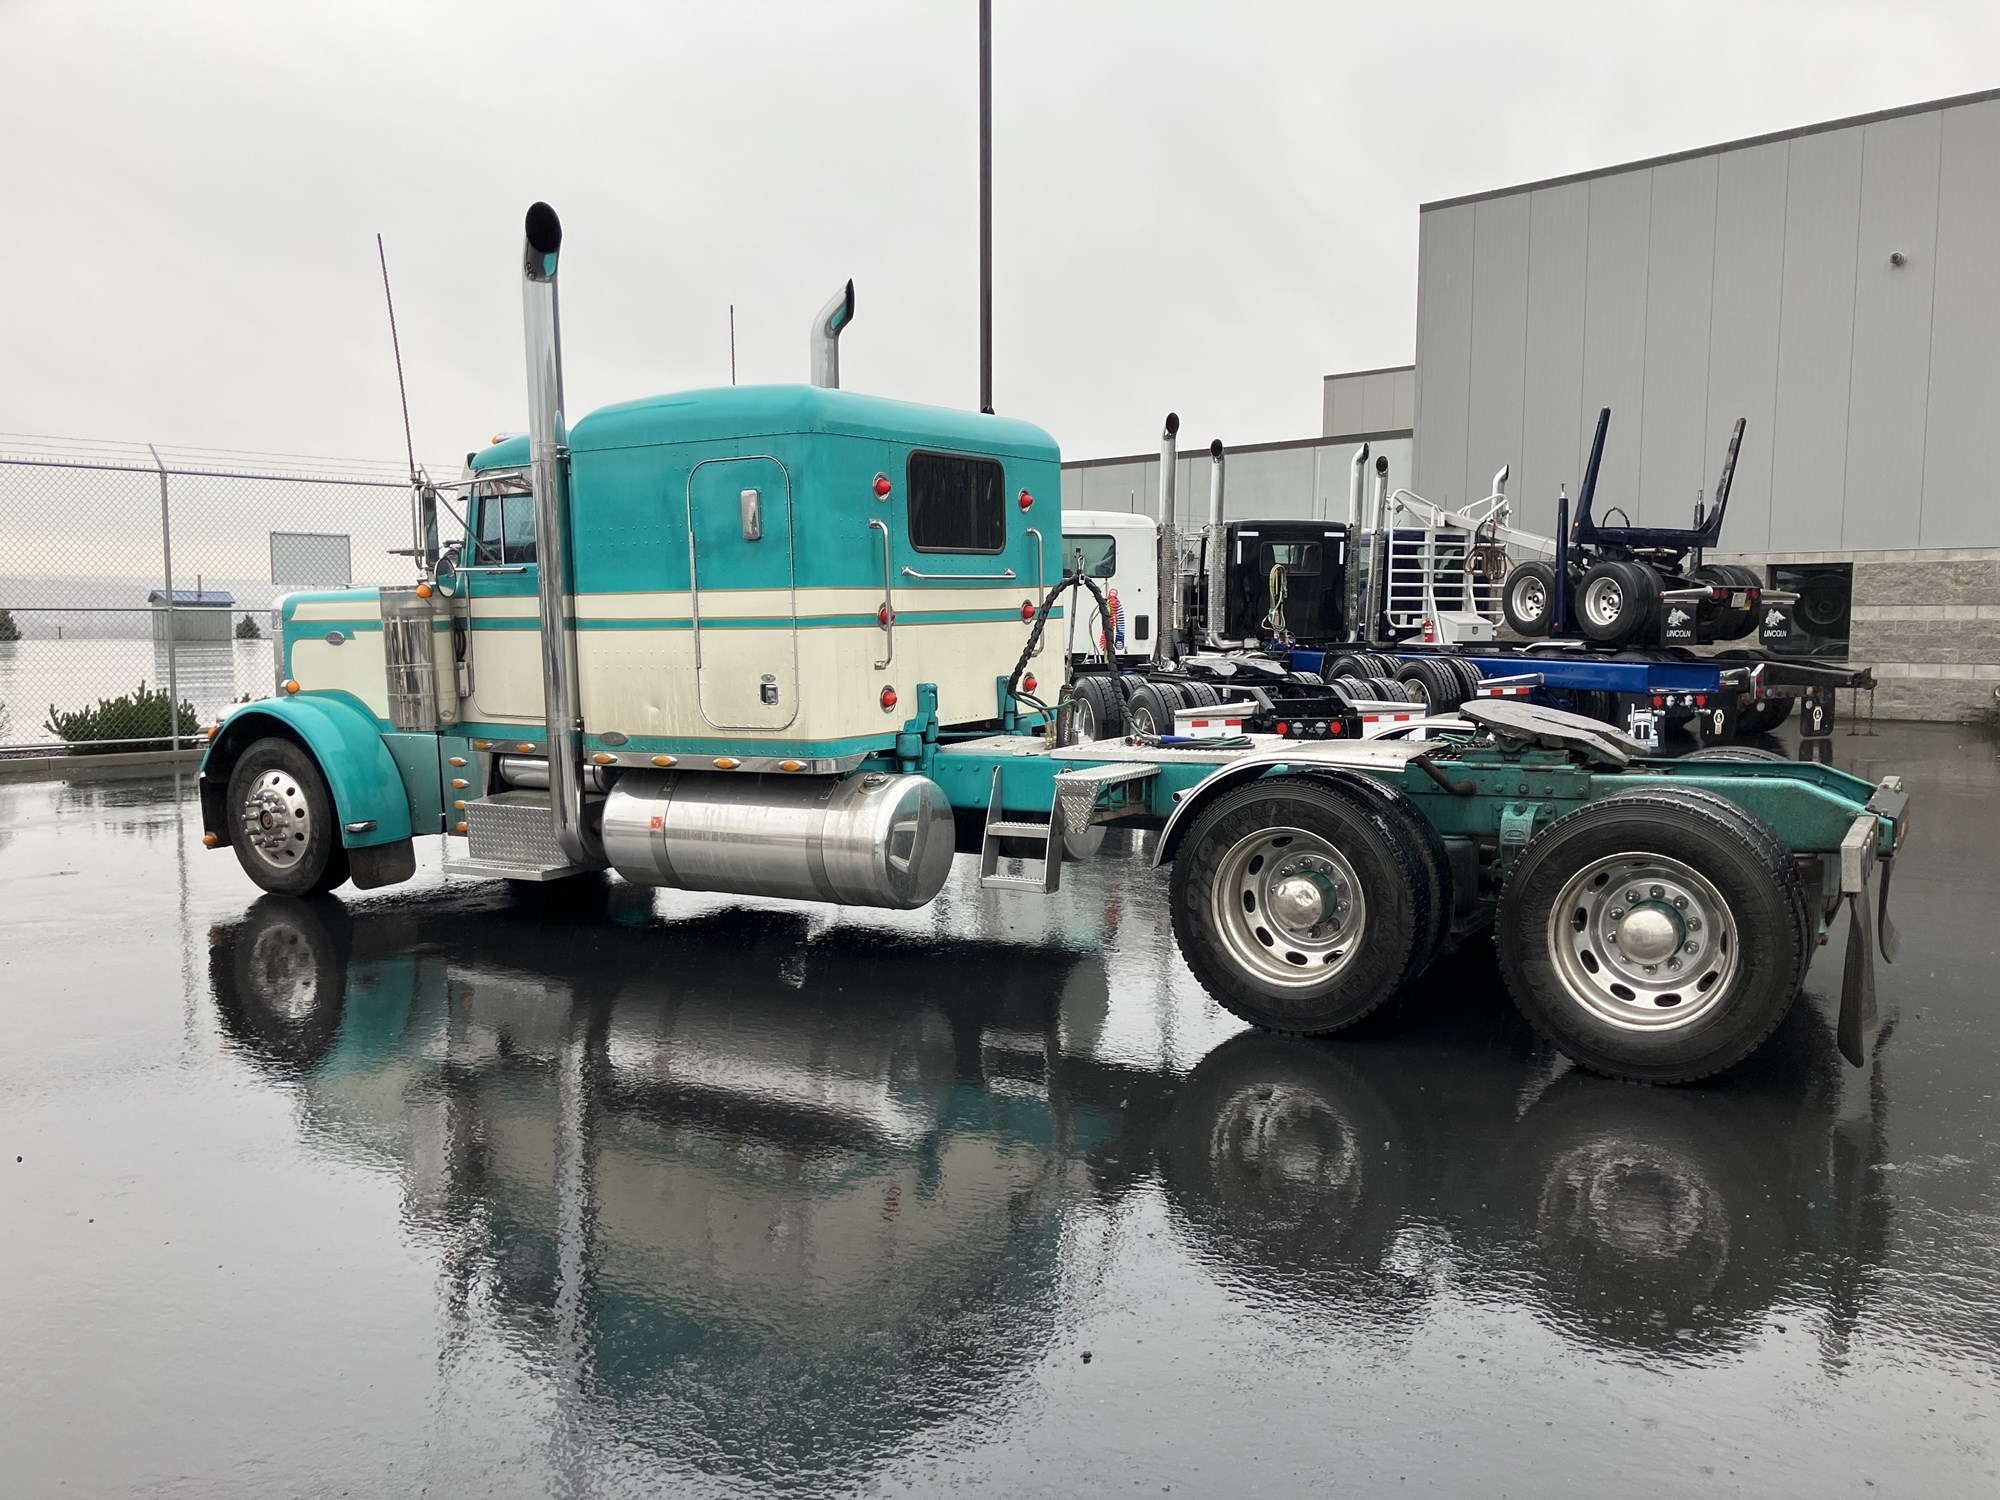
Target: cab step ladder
{"x": 1074, "y": 807}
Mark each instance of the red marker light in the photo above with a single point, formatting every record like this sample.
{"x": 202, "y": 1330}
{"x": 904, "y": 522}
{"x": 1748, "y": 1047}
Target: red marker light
{"x": 1336, "y": 727}
{"x": 1026, "y": 499}
{"x": 1028, "y": 683}
{"x": 1027, "y": 609}
{"x": 1283, "y": 727}
{"x": 888, "y": 699}
{"x": 882, "y": 486}
{"x": 1659, "y": 703}
{"x": 1701, "y": 700}
{"x": 883, "y": 616}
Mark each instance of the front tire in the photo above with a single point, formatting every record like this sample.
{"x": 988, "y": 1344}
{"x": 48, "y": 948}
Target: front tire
{"x": 1296, "y": 905}
{"x": 1652, "y": 936}
{"x": 283, "y": 826}
{"x": 1528, "y": 599}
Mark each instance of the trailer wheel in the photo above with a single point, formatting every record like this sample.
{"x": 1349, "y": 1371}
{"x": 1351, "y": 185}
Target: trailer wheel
{"x": 1437, "y": 679}
{"x": 1528, "y": 598}
{"x": 1150, "y": 710}
{"x": 1613, "y": 604}
{"x": 282, "y": 821}
{"x": 1652, "y": 936}
{"x": 1296, "y": 906}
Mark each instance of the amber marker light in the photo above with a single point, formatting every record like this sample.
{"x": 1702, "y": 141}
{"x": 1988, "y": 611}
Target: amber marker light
{"x": 209, "y": 841}
{"x": 458, "y": 760}
{"x": 663, "y": 760}
{"x": 791, "y": 765}
{"x": 600, "y": 759}
{"x": 423, "y": 591}
{"x": 460, "y": 827}
{"x": 291, "y": 686}
{"x": 726, "y": 763}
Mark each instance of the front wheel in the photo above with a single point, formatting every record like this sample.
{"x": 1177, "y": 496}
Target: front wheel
{"x": 1528, "y": 598}
{"x": 1654, "y": 936}
{"x": 1296, "y": 906}
{"x": 282, "y": 821}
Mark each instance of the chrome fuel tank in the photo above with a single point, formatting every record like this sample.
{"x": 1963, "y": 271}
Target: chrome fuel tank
{"x": 862, "y": 840}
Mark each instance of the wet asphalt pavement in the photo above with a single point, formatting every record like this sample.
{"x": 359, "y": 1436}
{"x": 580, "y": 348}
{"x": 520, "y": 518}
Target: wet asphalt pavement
{"x": 429, "y": 1191}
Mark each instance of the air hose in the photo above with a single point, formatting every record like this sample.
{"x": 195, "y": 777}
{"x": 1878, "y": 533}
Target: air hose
{"x": 1068, "y": 585}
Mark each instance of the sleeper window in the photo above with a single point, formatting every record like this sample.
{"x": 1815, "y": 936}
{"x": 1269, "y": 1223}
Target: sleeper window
{"x": 957, "y": 504}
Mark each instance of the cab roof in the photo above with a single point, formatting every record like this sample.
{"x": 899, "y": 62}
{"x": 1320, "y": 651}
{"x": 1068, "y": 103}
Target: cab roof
{"x": 748, "y": 411}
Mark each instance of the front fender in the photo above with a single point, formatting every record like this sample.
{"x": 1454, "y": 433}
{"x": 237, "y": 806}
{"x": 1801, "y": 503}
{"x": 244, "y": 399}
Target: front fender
{"x": 343, "y": 737}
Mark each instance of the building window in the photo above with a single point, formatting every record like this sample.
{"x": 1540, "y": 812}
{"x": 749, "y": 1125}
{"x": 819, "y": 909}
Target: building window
{"x": 957, "y": 503}
{"x": 1300, "y": 559}
{"x": 1097, "y": 556}
{"x": 506, "y": 520}
{"x": 1821, "y": 618}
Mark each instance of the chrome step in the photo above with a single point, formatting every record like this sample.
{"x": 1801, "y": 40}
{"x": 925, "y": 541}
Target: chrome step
{"x": 1000, "y": 830}
{"x": 510, "y": 836}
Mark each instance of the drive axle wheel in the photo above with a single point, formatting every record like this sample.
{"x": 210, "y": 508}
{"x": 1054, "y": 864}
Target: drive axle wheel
{"x": 282, "y": 821}
{"x": 1654, "y": 936}
{"x": 1295, "y": 905}
{"x": 1528, "y": 598}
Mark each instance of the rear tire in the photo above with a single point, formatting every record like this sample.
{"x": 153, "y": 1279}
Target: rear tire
{"x": 1100, "y": 708}
{"x": 1727, "y": 918}
{"x": 1150, "y": 711}
{"x": 1528, "y": 599}
{"x": 1296, "y": 906}
{"x": 282, "y": 821}
{"x": 1437, "y": 679}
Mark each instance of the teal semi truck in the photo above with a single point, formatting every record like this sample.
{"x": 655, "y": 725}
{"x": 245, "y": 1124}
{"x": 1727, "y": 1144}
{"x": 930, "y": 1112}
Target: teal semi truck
{"x": 794, "y": 642}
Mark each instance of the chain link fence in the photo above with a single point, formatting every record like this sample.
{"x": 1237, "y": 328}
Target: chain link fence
{"x": 131, "y": 577}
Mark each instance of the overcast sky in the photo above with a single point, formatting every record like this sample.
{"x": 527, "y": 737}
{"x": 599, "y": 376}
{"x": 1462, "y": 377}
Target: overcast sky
{"x": 1205, "y": 206}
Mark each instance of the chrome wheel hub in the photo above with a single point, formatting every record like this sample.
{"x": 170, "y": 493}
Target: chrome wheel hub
{"x": 275, "y": 819}
{"x": 1530, "y": 599}
{"x": 1288, "y": 907}
{"x": 1643, "y": 941}
{"x": 1603, "y": 600}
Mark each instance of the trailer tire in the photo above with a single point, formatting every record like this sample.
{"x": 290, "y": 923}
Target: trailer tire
{"x": 1467, "y": 674}
{"x": 1316, "y": 842}
{"x": 1729, "y": 909}
{"x": 282, "y": 822}
{"x": 1438, "y": 680}
{"x": 1528, "y": 599}
{"x": 1613, "y": 605}
{"x": 1151, "y": 709}
{"x": 1737, "y": 753}
{"x": 1350, "y": 665}
{"x": 1762, "y": 715}
{"x": 1200, "y": 694}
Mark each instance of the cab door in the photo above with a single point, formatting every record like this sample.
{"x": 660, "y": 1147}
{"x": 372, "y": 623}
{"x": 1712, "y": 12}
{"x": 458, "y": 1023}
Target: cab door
{"x": 742, "y": 593}
{"x": 500, "y": 575}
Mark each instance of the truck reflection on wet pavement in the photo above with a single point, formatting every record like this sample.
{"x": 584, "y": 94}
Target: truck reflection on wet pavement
{"x": 726, "y": 1195}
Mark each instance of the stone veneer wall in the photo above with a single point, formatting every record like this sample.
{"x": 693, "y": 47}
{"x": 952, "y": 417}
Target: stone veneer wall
{"x": 1927, "y": 621}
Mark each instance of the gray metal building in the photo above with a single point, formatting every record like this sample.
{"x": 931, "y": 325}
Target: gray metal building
{"x": 1836, "y": 285}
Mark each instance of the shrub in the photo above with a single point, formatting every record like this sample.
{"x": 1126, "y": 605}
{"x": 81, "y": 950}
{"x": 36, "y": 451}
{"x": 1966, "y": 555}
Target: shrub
{"x": 246, "y": 629}
{"x": 9, "y": 631}
{"x": 133, "y": 716}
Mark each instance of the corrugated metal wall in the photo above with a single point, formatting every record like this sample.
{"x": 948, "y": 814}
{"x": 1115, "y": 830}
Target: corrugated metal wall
{"x": 1753, "y": 281}
{"x": 1307, "y": 481}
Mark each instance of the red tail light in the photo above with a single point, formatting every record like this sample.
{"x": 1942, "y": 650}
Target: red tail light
{"x": 1027, "y": 609}
{"x": 888, "y": 699}
{"x": 882, "y": 486}
{"x": 1026, "y": 499}
{"x": 1028, "y": 683}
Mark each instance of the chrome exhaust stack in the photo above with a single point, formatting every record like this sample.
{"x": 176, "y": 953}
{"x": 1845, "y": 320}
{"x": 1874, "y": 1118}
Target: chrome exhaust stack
{"x": 1167, "y": 640}
{"x": 548, "y": 457}
{"x": 1357, "y": 485}
{"x": 835, "y": 316}
{"x": 1215, "y": 608}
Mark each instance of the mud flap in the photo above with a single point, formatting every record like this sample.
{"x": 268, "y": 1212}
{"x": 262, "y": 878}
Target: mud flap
{"x": 1859, "y": 1016}
{"x": 1859, "y": 1019}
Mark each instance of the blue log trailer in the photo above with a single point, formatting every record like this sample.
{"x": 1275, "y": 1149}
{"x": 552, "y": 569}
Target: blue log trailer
{"x": 795, "y": 642}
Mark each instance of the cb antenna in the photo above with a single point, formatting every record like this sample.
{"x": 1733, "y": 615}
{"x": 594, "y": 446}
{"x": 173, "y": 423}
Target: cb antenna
{"x": 409, "y": 447}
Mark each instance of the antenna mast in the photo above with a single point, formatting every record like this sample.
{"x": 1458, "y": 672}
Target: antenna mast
{"x": 409, "y": 447}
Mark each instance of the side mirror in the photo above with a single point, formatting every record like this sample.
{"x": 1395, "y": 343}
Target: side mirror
{"x": 445, "y": 570}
